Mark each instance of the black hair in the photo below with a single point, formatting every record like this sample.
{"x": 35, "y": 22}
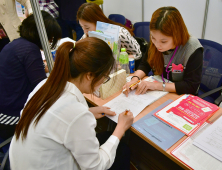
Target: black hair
{"x": 28, "y": 29}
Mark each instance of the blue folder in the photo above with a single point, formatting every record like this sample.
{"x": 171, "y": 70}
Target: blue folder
{"x": 158, "y": 131}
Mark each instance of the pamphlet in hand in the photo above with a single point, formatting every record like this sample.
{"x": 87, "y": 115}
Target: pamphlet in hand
{"x": 110, "y": 30}
{"x": 108, "y": 39}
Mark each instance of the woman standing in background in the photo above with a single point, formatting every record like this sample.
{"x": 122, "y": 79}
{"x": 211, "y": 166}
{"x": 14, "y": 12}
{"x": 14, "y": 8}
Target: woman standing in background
{"x": 9, "y": 20}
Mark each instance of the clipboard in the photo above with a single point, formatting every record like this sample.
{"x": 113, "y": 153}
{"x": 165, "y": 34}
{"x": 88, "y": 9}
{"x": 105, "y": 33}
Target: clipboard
{"x": 157, "y": 130}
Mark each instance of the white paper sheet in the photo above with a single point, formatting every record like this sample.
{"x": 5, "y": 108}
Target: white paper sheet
{"x": 195, "y": 157}
{"x": 134, "y": 103}
{"x": 211, "y": 140}
{"x": 62, "y": 40}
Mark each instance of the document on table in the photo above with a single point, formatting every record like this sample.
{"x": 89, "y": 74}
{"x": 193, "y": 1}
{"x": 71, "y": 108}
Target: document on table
{"x": 210, "y": 140}
{"x": 134, "y": 103}
{"x": 158, "y": 131}
{"x": 176, "y": 121}
{"x": 195, "y": 157}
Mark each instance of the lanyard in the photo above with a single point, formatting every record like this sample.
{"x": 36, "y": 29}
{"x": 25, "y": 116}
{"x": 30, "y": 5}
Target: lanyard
{"x": 168, "y": 72}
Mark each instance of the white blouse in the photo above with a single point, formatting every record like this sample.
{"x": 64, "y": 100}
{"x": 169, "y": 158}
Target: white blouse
{"x": 130, "y": 43}
{"x": 64, "y": 138}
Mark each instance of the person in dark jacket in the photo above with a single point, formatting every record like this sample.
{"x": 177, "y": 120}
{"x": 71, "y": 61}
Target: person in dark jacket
{"x": 21, "y": 69}
{"x": 67, "y": 17}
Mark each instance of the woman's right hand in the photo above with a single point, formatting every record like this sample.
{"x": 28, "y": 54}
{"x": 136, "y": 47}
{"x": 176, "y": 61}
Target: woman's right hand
{"x": 127, "y": 85}
{"x": 125, "y": 120}
{"x": 124, "y": 123}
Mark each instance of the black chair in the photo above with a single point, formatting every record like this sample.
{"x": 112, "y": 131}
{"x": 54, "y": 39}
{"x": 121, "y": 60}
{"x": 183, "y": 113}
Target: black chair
{"x": 117, "y": 18}
{"x": 210, "y": 87}
{"x": 143, "y": 48}
{"x": 4, "y": 145}
{"x": 142, "y": 29}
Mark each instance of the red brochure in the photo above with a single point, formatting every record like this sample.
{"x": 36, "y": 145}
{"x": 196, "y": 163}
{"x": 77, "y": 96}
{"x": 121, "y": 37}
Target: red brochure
{"x": 194, "y": 109}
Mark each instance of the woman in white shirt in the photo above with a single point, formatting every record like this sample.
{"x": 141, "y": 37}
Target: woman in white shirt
{"x": 89, "y": 13}
{"x": 56, "y": 129}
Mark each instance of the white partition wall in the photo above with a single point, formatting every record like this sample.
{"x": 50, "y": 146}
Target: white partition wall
{"x": 131, "y": 9}
{"x": 191, "y": 10}
{"x": 214, "y": 21}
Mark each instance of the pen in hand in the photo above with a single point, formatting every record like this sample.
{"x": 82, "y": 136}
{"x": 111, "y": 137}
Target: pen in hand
{"x": 132, "y": 85}
{"x": 126, "y": 112}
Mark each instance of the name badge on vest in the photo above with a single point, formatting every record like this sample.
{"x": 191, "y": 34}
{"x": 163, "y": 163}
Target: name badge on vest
{"x": 177, "y": 72}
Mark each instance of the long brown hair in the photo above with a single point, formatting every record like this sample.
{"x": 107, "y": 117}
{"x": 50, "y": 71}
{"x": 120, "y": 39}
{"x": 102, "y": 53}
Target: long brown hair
{"x": 169, "y": 22}
{"x": 89, "y": 55}
{"x": 91, "y": 12}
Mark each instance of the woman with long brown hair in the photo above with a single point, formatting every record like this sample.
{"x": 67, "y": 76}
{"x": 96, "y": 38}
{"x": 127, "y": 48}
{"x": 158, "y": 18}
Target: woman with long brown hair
{"x": 172, "y": 53}
{"x": 89, "y": 13}
{"x": 56, "y": 129}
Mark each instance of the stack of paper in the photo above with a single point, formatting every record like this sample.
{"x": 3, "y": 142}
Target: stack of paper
{"x": 193, "y": 156}
{"x": 210, "y": 140}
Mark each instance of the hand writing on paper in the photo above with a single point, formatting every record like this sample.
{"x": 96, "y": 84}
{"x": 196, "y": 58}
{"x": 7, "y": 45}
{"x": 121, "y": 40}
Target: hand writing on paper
{"x": 101, "y": 111}
{"x": 125, "y": 120}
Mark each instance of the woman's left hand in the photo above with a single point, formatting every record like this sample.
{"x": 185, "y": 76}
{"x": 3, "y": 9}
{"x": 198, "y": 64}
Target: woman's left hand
{"x": 144, "y": 86}
{"x": 101, "y": 111}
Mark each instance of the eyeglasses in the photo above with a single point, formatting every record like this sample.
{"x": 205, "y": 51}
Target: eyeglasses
{"x": 107, "y": 78}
